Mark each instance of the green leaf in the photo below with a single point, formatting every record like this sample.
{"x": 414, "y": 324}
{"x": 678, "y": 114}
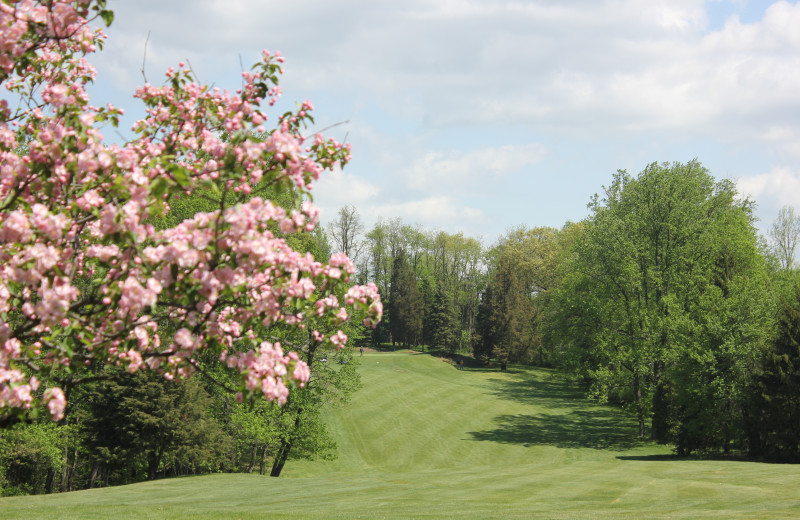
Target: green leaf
{"x": 180, "y": 175}
{"x": 107, "y": 16}
{"x": 159, "y": 186}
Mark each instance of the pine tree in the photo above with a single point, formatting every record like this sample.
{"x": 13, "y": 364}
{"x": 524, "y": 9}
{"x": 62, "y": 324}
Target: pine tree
{"x": 775, "y": 415}
{"x": 405, "y": 304}
{"x": 443, "y": 321}
{"x": 505, "y": 319}
{"x": 428, "y": 297}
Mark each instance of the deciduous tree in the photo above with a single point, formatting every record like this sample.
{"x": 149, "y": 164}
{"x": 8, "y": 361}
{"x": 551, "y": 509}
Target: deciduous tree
{"x": 88, "y": 281}
{"x": 666, "y": 292}
{"x": 346, "y": 231}
{"x": 784, "y": 235}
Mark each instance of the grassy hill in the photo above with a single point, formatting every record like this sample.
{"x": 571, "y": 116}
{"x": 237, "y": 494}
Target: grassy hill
{"x": 424, "y": 440}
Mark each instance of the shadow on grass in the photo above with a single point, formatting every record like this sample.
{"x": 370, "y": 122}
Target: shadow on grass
{"x": 720, "y": 457}
{"x": 567, "y": 419}
{"x": 540, "y": 388}
{"x": 654, "y": 458}
{"x": 597, "y": 428}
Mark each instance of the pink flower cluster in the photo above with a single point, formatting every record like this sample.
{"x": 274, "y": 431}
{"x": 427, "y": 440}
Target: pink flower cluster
{"x": 267, "y": 370}
{"x": 367, "y": 296}
{"x": 85, "y": 277}
{"x": 15, "y": 388}
{"x": 27, "y": 25}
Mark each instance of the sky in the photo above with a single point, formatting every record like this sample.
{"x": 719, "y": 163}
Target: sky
{"x": 478, "y": 116}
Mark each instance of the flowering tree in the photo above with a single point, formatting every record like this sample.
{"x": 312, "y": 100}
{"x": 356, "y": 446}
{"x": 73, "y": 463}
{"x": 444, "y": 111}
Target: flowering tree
{"x": 87, "y": 281}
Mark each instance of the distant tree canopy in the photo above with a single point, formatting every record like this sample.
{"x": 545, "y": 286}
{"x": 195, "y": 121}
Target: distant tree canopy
{"x": 434, "y": 259}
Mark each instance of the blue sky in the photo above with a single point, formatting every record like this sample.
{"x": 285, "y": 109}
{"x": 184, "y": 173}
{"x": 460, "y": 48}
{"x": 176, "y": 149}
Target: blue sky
{"x": 481, "y": 115}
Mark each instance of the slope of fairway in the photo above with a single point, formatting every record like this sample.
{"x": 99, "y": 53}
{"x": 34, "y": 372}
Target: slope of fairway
{"x": 424, "y": 440}
{"x": 416, "y": 412}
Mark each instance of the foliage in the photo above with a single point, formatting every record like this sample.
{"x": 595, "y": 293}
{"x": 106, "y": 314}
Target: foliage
{"x": 665, "y": 304}
{"x": 774, "y": 411}
{"x": 505, "y": 319}
{"x": 30, "y": 456}
{"x": 88, "y": 281}
{"x": 143, "y": 424}
{"x": 533, "y": 255}
{"x": 405, "y": 304}
{"x": 784, "y": 235}
{"x": 443, "y": 322}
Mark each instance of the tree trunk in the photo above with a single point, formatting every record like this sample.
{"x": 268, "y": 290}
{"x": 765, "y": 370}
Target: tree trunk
{"x": 93, "y": 474}
{"x": 286, "y": 443}
{"x": 71, "y": 480}
{"x": 264, "y": 453}
{"x": 252, "y": 464}
{"x": 285, "y": 448}
{"x": 153, "y": 460}
{"x": 637, "y": 385}
{"x": 51, "y": 479}
{"x": 64, "y": 470}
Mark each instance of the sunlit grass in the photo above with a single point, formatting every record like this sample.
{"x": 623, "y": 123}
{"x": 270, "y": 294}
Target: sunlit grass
{"x": 424, "y": 440}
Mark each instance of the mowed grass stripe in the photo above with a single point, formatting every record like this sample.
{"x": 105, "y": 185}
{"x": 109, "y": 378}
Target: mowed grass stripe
{"x": 417, "y": 412}
{"x": 424, "y": 440}
{"x": 421, "y": 414}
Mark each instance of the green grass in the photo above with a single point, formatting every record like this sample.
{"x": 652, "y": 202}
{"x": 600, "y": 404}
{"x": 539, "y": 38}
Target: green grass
{"x": 424, "y": 440}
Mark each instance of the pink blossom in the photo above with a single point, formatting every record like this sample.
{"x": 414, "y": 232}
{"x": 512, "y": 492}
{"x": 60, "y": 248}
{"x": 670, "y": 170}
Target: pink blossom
{"x": 339, "y": 339}
{"x": 56, "y": 402}
{"x": 55, "y": 301}
{"x": 88, "y": 222}
{"x": 134, "y": 361}
{"x": 135, "y": 297}
{"x": 16, "y": 228}
{"x": 185, "y": 339}
{"x": 103, "y": 253}
{"x": 90, "y": 199}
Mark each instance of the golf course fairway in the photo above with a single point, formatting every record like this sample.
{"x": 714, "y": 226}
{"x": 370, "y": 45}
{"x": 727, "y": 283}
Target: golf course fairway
{"x": 422, "y": 439}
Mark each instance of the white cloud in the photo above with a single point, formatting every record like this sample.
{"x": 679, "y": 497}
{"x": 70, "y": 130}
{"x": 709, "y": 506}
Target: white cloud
{"x": 457, "y": 170}
{"x": 431, "y": 212}
{"x": 776, "y": 188}
{"x": 626, "y": 65}
{"x": 587, "y": 77}
{"x": 338, "y": 188}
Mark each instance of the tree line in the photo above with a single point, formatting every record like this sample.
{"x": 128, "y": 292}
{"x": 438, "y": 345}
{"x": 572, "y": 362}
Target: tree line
{"x": 430, "y": 280}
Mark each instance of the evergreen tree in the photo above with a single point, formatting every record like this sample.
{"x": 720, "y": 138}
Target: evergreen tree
{"x": 774, "y": 419}
{"x": 405, "y": 304}
{"x": 428, "y": 297}
{"x": 142, "y": 425}
{"x": 505, "y": 319}
{"x": 443, "y": 321}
